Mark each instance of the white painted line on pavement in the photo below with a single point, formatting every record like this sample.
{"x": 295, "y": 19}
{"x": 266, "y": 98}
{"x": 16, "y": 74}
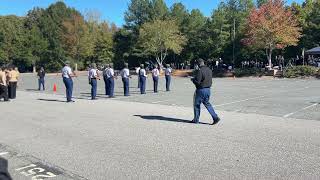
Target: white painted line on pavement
{"x": 161, "y": 101}
{"x": 3, "y": 153}
{"x": 239, "y": 101}
{"x": 305, "y": 108}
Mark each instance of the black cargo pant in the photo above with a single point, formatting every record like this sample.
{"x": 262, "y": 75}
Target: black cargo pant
{"x": 3, "y": 92}
{"x": 12, "y": 89}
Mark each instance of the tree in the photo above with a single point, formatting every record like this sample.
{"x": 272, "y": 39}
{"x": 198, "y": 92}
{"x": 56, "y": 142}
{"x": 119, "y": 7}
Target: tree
{"x": 159, "y": 10}
{"x": 271, "y": 27}
{"x": 36, "y": 43}
{"x": 51, "y": 26}
{"x": 179, "y": 13}
{"x": 158, "y": 37}
{"x": 123, "y": 41}
{"x": 104, "y": 46}
{"x": 139, "y": 12}
{"x": 13, "y": 47}
{"x": 192, "y": 28}
{"x": 311, "y": 26}
{"x": 218, "y": 31}
{"x": 73, "y": 31}
{"x": 261, "y": 2}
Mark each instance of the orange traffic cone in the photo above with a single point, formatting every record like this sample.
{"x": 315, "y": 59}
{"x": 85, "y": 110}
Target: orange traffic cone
{"x": 54, "y": 87}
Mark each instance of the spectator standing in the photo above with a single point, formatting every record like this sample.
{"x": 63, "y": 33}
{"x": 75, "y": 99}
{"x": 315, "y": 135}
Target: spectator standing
{"x": 41, "y": 75}
{"x": 3, "y": 85}
{"x": 13, "y": 76}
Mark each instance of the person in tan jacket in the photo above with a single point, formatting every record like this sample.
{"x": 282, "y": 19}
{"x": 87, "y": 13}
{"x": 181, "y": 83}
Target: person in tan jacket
{"x": 3, "y": 85}
{"x": 13, "y": 77}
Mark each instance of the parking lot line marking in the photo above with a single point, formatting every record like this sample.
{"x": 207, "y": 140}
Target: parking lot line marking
{"x": 234, "y": 102}
{"x": 3, "y": 153}
{"x": 305, "y": 108}
{"x": 161, "y": 101}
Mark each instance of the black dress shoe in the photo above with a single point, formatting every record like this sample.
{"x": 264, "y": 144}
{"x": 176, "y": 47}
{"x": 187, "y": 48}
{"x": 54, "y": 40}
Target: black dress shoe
{"x": 194, "y": 122}
{"x": 215, "y": 121}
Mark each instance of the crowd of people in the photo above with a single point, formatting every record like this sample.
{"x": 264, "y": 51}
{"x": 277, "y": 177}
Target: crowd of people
{"x": 314, "y": 61}
{"x": 280, "y": 62}
{"x": 8, "y": 82}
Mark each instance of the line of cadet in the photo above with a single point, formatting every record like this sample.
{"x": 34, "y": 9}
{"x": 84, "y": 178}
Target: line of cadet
{"x": 109, "y": 77}
{"x": 202, "y": 80}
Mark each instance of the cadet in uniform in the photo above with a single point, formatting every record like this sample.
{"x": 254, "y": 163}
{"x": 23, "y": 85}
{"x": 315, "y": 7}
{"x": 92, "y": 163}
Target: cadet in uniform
{"x": 13, "y": 76}
{"x": 67, "y": 75}
{"x": 3, "y": 85}
{"x": 41, "y": 75}
{"x": 110, "y": 80}
{"x": 142, "y": 79}
{"x": 125, "y": 75}
{"x": 155, "y": 77}
{"x": 203, "y": 82}
{"x": 105, "y": 79}
{"x": 167, "y": 73}
{"x": 93, "y": 76}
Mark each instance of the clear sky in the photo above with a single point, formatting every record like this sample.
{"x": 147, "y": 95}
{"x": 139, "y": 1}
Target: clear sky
{"x": 111, "y": 10}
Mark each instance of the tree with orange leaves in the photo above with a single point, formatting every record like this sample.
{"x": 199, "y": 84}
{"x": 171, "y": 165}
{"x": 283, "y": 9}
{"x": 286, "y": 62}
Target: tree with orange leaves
{"x": 272, "y": 26}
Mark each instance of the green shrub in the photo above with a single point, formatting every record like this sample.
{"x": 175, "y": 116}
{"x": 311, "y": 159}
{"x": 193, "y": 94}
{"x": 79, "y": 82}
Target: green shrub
{"x": 300, "y": 71}
{"x": 243, "y": 72}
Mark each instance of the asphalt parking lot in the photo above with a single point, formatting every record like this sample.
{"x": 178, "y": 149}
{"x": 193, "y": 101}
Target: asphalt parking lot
{"x": 270, "y": 129}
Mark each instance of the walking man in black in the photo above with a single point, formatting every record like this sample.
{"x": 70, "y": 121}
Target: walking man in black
{"x": 203, "y": 82}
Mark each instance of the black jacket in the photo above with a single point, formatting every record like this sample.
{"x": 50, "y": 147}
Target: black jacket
{"x": 41, "y": 74}
{"x": 203, "y": 78}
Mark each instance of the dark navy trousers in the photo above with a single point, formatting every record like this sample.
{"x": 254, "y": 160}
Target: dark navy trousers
{"x": 41, "y": 83}
{"x": 203, "y": 96}
{"x": 110, "y": 90}
{"x": 69, "y": 87}
{"x": 155, "y": 83}
{"x": 126, "y": 86}
{"x": 168, "y": 81}
{"x": 106, "y": 85}
{"x": 142, "y": 80}
{"x": 93, "y": 88}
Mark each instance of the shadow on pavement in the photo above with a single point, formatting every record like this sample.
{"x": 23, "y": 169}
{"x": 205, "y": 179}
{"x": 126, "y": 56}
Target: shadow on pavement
{"x": 32, "y": 90}
{"x": 85, "y": 93}
{"x": 51, "y": 100}
{"x": 169, "y": 119}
